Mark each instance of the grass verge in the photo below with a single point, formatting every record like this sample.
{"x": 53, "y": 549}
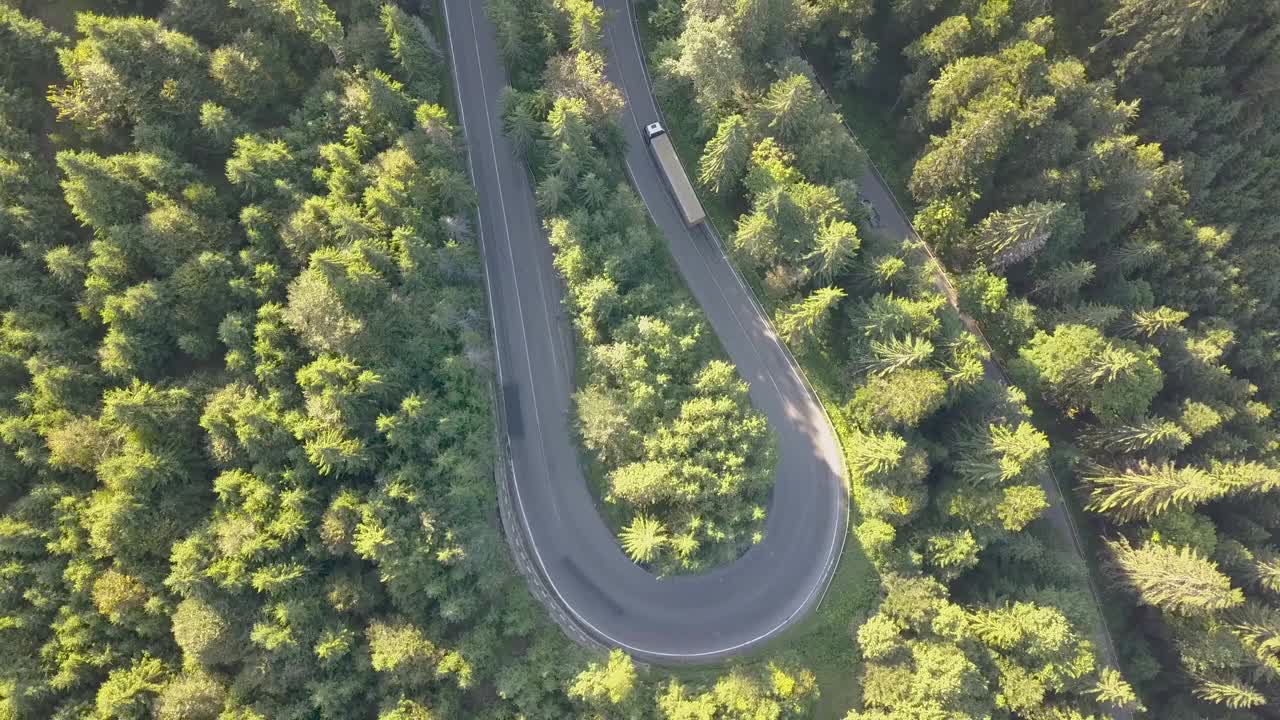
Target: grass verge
{"x": 823, "y": 642}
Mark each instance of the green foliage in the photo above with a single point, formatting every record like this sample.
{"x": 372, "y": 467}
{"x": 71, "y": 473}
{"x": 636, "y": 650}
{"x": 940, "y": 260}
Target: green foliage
{"x": 834, "y": 250}
{"x": 929, "y": 499}
{"x": 1026, "y": 164}
{"x": 1007, "y": 322}
{"x": 1032, "y": 166}
{"x": 926, "y": 657}
{"x": 776, "y": 691}
{"x": 1230, "y": 694}
{"x": 887, "y": 477}
{"x": 529, "y": 33}
{"x": 27, "y": 46}
{"x": 644, "y": 538}
{"x": 1009, "y": 237}
{"x": 260, "y": 184}
{"x": 1178, "y": 580}
{"x": 898, "y": 353}
{"x": 611, "y": 685}
{"x": 313, "y": 18}
{"x": 707, "y": 58}
{"x": 193, "y": 696}
{"x": 802, "y": 322}
{"x": 127, "y": 693}
{"x": 725, "y": 159}
{"x": 1000, "y": 453}
{"x": 1080, "y": 369}
{"x": 245, "y": 439}
{"x": 1148, "y": 491}
{"x": 125, "y": 73}
{"x": 1153, "y": 30}
{"x": 417, "y": 51}
{"x": 904, "y": 397}
{"x": 686, "y": 461}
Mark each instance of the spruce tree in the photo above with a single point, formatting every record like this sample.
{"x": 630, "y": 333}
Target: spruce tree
{"x": 802, "y": 323}
{"x": 724, "y": 160}
{"x": 1176, "y": 580}
{"x": 1147, "y": 491}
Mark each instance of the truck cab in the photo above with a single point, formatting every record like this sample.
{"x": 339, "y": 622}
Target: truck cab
{"x": 653, "y": 130}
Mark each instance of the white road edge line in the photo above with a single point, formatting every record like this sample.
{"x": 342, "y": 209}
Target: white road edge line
{"x": 462, "y": 119}
{"x": 515, "y": 483}
{"x": 833, "y": 552}
{"x": 524, "y": 333}
{"x": 833, "y": 559}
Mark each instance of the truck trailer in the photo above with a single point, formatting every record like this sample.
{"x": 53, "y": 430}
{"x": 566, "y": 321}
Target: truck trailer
{"x": 665, "y": 153}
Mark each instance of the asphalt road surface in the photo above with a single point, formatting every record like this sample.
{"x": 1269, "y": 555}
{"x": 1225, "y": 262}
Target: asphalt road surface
{"x": 682, "y": 619}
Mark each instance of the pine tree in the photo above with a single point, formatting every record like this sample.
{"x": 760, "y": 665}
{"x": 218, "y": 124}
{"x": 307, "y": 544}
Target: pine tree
{"x": 609, "y": 686}
{"x": 644, "y": 538}
{"x": 1112, "y": 689}
{"x": 685, "y": 545}
{"x": 711, "y": 60}
{"x": 1229, "y": 693}
{"x": 522, "y": 128}
{"x": 407, "y": 709}
{"x": 1000, "y": 454}
{"x": 858, "y": 62}
{"x": 1150, "y": 323}
{"x": 895, "y": 353}
{"x": 1258, "y": 628}
{"x": 1153, "y": 29}
{"x": 567, "y": 128}
{"x": 595, "y": 193}
{"x": 801, "y": 324}
{"x": 1064, "y": 282}
{"x": 956, "y": 162}
{"x": 1011, "y": 236}
{"x": 130, "y": 692}
{"x": 726, "y": 155}
{"x": 417, "y": 51}
{"x": 835, "y": 246}
{"x": 313, "y": 17}
{"x": 1246, "y": 477}
{"x": 1177, "y": 580}
{"x": 586, "y": 21}
{"x": 643, "y": 484}
{"x": 1147, "y": 491}
{"x": 1266, "y": 571}
{"x": 1078, "y": 368}
{"x": 1089, "y": 314}
{"x": 1112, "y": 363}
{"x": 1153, "y": 435}
{"x": 191, "y": 696}
{"x": 871, "y": 454}
{"x": 790, "y": 108}
{"x": 552, "y": 193}
{"x": 757, "y": 237}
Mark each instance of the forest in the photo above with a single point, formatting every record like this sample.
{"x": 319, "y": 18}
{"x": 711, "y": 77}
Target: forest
{"x": 1093, "y": 177}
{"x": 246, "y": 432}
{"x": 247, "y": 425}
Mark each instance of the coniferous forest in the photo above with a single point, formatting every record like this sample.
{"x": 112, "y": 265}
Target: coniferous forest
{"x": 247, "y": 400}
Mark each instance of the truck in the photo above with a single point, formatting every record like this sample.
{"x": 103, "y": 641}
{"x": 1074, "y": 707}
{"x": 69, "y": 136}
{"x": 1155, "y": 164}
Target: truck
{"x": 665, "y": 154}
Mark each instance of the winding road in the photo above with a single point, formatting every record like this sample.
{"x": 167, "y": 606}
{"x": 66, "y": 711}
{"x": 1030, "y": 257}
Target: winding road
{"x": 683, "y": 619}
{"x": 578, "y": 563}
